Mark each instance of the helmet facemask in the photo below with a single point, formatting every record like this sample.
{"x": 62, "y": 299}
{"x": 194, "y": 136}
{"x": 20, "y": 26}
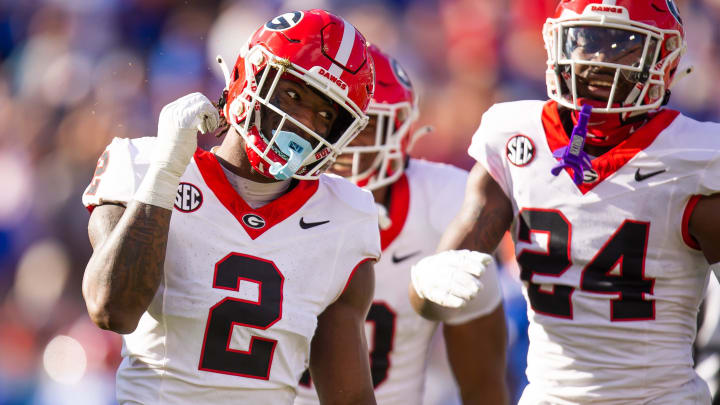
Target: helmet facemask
{"x": 614, "y": 63}
{"x": 378, "y": 161}
{"x": 280, "y": 153}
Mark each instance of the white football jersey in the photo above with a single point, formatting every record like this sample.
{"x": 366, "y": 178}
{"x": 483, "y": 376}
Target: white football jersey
{"x": 422, "y": 203}
{"x": 611, "y": 273}
{"x": 237, "y": 307}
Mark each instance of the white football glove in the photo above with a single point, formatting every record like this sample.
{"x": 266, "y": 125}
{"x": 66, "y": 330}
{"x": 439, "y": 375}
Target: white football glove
{"x": 176, "y": 143}
{"x": 450, "y": 278}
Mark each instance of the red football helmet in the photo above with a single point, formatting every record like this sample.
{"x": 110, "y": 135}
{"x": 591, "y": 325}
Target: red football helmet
{"x": 312, "y": 47}
{"x": 394, "y": 106}
{"x": 636, "y": 42}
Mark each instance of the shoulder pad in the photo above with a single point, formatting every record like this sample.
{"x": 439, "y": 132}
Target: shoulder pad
{"x": 349, "y": 193}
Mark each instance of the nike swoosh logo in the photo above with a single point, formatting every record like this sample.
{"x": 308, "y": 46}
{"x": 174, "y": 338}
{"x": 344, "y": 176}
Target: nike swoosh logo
{"x": 308, "y": 225}
{"x": 397, "y": 259}
{"x": 641, "y": 177}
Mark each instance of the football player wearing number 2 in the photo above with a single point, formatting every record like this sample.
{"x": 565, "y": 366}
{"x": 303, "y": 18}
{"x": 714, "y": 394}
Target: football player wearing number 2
{"x": 223, "y": 268}
{"x": 612, "y": 201}
{"x": 417, "y": 200}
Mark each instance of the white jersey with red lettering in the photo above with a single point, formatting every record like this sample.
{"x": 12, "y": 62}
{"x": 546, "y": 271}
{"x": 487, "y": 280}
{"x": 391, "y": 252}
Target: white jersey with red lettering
{"x": 611, "y": 274}
{"x": 422, "y": 203}
{"x": 237, "y": 307}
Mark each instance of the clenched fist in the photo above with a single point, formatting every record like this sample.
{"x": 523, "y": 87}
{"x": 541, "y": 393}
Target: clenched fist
{"x": 177, "y": 130}
{"x": 450, "y": 278}
{"x": 176, "y": 143}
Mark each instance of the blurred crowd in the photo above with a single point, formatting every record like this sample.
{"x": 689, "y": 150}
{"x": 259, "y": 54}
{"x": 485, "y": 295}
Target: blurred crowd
{"x": 76, "y": 73}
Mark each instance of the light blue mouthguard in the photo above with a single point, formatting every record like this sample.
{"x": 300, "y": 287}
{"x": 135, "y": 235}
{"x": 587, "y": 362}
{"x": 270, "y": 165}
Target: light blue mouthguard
{"x": 296, "y": 148}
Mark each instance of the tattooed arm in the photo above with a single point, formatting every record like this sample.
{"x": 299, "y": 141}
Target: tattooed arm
{"x": 485, "y": 216}
{"x": 126, "y": 266}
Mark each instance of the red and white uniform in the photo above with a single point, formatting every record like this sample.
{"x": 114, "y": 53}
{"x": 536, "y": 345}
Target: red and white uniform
{"x": 611, "y": 274}
{"x": 422, "y": 203}
{"x": 237, "y": 307}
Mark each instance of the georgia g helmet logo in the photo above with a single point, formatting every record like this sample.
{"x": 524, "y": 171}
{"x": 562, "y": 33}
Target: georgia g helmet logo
{"x": 285, "y": 21}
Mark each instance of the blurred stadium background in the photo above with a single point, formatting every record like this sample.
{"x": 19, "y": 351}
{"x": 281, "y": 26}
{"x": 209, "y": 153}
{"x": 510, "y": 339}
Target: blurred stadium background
{"x": 76, "y": 73}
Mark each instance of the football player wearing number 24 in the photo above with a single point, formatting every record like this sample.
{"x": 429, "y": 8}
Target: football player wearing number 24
{"x": 612, "y": 201}
{"x": 223, "y": 268}
{"x": 417, "y": 200}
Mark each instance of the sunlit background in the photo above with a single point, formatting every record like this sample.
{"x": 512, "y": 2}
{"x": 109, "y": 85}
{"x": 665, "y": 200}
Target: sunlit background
{"x": 76, "y": 73}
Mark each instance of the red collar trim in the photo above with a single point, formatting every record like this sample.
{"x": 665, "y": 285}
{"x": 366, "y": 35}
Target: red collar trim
{"x": 612, "y": 160}
{"x": 272, "y": 213}
{"x": 399, "y": 205}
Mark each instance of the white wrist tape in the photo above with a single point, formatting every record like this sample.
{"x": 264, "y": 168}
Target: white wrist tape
{"x": 158, "y": 188}
{"x": 176, "y": 143}
{"x": 169, "y": 160}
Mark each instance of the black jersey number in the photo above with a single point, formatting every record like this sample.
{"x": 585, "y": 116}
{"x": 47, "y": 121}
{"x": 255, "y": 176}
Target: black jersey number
{"x": 383, "y": 319}
{"x": 617, "y": 269}
{"x": 216, "y": 355}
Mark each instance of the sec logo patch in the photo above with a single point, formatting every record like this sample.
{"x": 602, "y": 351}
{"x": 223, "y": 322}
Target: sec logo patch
{"x": 520, "y": 150}
{"x": 188, "y": 198}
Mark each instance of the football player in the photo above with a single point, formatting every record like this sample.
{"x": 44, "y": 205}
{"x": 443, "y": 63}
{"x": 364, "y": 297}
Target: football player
{"x": 223, "y": 268}
{"x": 417, "y": 199}
{"x": 612, "y": 200}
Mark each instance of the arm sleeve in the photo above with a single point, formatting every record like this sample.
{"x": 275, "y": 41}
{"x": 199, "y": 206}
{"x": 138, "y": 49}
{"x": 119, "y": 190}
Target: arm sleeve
{"x": 119, "y": 171}
{"x": 487, "y": 149}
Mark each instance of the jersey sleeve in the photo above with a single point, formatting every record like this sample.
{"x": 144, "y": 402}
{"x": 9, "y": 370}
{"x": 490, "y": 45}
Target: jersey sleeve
{"x": 486, "y": 148}
{"x": 119, "y": 171}
{"x": 709, "y": 182}
{"x": 486, "y": 301}
{"x": 446, "y": 196}
{"x": 692, "y": 149}
{"x": 367, "y": 240}
{"x": 361, "y": 238}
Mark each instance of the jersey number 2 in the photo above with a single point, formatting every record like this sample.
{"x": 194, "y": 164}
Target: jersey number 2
{"x": 617, "y": 269}
{"x": 217, "y": 356}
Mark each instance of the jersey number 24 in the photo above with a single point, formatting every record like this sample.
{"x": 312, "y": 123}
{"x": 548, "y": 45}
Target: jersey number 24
{"x": 616, "y": 270}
